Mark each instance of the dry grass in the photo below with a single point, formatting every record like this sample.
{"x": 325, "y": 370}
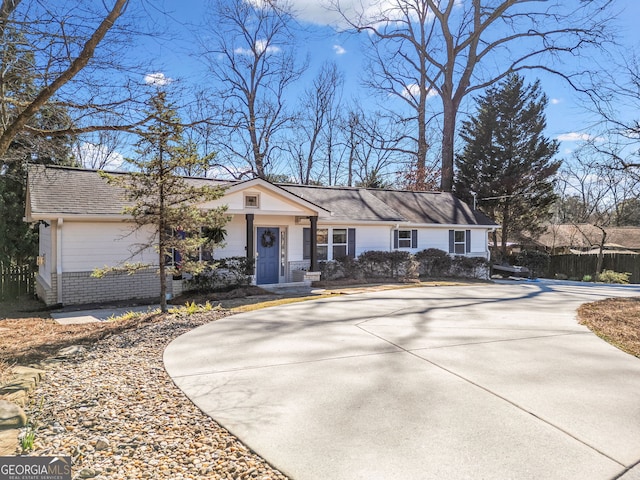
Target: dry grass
{"x": 616, "y": 320}
{"x": 25, "y": 340}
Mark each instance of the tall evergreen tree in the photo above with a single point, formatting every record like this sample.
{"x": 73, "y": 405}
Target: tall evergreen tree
{"x": 507, "y": 162}
{"x": 163, "y": 203}
{"x": 18, "y": 240}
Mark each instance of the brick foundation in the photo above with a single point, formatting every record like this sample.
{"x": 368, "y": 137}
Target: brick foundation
{"x": 81, "y": 288}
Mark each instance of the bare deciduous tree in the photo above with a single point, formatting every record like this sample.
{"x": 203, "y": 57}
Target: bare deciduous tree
{"x": 423, "y": 48}
{"x": 376, "y": 147}
{"x": 64, "y": 46}
{"x": 253, "y": 58}
{"x": 310, "y": 146}
{"x": 593, "y": 193}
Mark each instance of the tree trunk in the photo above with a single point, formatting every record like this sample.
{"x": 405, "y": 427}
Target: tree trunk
{"x": 600, "y": 260}
{"x": 448, "y": 134}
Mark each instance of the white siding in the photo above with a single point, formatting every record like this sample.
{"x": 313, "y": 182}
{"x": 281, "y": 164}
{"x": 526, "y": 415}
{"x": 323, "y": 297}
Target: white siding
{"x": 269, "y": 202}
{"x": 373, "y": 237}
{"x": 433, "y": 238}
{"x": 235, "y": 241}
{"x": 90, "y": 245}
{"x": 45, "y": 250}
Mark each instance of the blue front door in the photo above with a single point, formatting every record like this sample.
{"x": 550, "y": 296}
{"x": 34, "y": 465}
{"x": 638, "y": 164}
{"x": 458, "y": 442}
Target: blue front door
{"x": 268, "y": 261}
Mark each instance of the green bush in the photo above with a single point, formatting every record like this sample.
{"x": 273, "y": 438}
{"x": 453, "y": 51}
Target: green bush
{"x": 587, "y": 278}
{"x": 609, "y": 276}
{"x": 433, "y": 262}
{"x": 536, "y": 261}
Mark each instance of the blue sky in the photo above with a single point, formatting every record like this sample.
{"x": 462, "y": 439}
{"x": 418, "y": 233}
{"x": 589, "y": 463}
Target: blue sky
{"x": 567, "y": 117}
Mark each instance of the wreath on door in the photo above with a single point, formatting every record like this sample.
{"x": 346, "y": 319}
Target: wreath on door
{"x": 268, "y": 239}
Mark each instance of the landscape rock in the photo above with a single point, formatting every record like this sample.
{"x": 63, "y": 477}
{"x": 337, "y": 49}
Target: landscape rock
{"x": 118, "y": 414}
{"x": 102, "y": 444}
{"x": 22, "y": 371}
{"x": 8, "y": 442}
{"x": 71, "y": 351}
{"x": 19, "y": 397}
{"x": 11, "y": 416}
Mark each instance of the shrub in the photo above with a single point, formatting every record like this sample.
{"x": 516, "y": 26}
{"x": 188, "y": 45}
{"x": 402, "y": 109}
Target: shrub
{"x": 343, "y": 267}
{"x": 587, "y": 278}
{"x": 609, "y": 276}
{"x": 226, "y": 273}
{"x": 433, "y": 262}
{"x": 536, "y": 261}
{"x": 379, "y": 264}
{"x": 469, "y": 267}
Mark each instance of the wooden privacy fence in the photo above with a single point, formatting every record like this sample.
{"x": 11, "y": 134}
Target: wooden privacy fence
{"x": 577, "y": 266}
{"x": 16, "y": 280}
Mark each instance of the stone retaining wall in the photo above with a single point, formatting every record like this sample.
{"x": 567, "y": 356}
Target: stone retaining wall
{"x": 13, "y": 397}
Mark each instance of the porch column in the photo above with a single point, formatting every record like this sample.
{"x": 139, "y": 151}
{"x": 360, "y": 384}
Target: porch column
{"x": 250, "y": 246}
{"x": 314, "y": 243}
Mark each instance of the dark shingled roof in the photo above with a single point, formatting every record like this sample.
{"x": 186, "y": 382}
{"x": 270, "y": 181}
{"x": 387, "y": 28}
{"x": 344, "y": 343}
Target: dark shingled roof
{"x": 63, "y": 190}
{"x": 391, "y": 205}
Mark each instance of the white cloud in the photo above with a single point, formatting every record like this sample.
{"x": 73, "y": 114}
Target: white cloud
{"x": 157, "y": 79}
{"x": 578, "y": 137}
{"x": 260, "y": 46}
{"x": 319, "y": 12}
{"x": 340, "y": 50}
{"x": 555, "y": 101}
{"x": 413, "y": 91}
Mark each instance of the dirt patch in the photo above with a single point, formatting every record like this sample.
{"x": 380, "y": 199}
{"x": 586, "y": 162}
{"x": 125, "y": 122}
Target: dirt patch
{"x": 616, "y": 320}
{"x": 25, "y": 340}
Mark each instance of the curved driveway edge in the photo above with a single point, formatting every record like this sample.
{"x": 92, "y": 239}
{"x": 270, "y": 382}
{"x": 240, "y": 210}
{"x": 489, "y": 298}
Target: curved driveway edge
{"x": 490, "y": 381}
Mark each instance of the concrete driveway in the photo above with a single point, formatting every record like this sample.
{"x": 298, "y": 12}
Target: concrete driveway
{"x": 481, "y": 382}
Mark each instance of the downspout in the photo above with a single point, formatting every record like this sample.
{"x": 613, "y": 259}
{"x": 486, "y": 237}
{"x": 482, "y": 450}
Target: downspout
{"x": 314, "y": 243}
{"x": 394, "y": 228}
{"x": 59, "y": 259}
{"x": 250, "y": 243}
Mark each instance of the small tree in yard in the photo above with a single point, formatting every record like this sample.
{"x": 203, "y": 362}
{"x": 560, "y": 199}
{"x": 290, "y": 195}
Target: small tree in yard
{"x": 164, "y": 203}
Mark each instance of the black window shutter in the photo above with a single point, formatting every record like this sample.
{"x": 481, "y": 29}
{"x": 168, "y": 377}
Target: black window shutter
{"x": 306, "y": 243}
{"x": 468, "y": 240}
{"x": 414, "y": 238}
{"x": 351, "y": 243}
{"x": 452, "y": 238}
{"x": 395, "y": 239}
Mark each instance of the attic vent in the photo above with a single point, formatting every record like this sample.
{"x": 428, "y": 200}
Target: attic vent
{"x": 251, "y": 200}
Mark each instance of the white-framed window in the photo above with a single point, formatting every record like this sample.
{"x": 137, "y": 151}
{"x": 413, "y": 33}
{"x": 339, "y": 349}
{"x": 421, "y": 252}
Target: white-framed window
{"x": 459, "y": 242}
{"x": 331, "y": 243}
{"x": 252, "y": 200}
{"x": 339, "y": 242}
{"x": 405, "y": 238}
{"x": 322, "y": 240}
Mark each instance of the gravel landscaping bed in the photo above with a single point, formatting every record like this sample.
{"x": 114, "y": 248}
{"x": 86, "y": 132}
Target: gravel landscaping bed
{"x": 114, "y": 410}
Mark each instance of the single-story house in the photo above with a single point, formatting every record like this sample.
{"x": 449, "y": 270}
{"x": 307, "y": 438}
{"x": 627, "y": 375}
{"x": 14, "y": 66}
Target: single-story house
{"x": 285, "y": 228}
{"x": 566, "y": 238}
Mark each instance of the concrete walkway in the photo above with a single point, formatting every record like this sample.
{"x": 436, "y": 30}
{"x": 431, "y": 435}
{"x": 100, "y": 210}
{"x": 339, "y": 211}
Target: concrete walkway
{"x": 71, "y": 317}
{"x": 482, "y": 382}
